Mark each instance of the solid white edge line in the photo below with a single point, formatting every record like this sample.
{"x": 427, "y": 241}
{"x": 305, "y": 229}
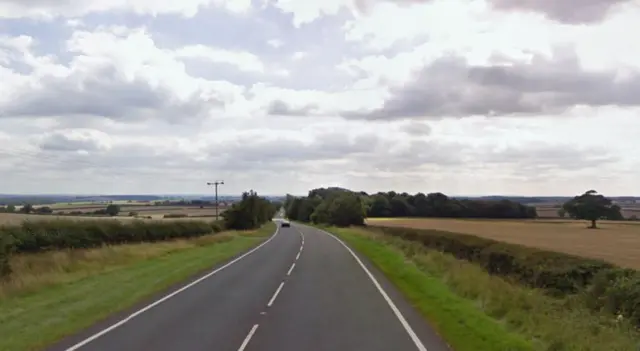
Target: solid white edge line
{"x": 386, "y": 297}
{"x": 167, "y": 297}
{"x": 273, "y": 298}
{"x": 291, "y": 269}
{"x": 246, "y": 340}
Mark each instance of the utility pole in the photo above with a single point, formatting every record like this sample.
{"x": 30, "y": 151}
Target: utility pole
{"x": 216, "y": 183}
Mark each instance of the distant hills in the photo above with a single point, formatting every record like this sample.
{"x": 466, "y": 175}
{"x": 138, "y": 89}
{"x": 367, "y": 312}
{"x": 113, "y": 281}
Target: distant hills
{"x": 13, "y": 199}
{"x": 7, "y": 199}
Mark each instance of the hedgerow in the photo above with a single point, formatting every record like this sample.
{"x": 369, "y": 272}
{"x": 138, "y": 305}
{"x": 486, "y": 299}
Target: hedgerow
{"x": 604, "y": 286}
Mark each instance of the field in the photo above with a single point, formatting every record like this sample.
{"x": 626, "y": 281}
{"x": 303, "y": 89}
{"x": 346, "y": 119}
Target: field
{"x": 143, "y": 210}
{"x": 616, "y": 242}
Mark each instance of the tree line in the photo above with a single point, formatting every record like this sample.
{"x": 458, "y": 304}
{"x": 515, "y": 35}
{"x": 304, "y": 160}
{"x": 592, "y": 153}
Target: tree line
{"x": 344, "y": 207}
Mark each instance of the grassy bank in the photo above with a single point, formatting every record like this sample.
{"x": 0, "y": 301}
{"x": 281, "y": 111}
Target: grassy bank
{"x": 476, "y": 311}
{"x": 53, "y": 294}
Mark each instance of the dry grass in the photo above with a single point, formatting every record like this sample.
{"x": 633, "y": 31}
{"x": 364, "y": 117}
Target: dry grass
{"x": 616, "y": 242}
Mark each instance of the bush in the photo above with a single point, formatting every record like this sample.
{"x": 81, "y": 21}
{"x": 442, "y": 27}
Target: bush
{"x": 5, "y": 251}
{"x": 616, "y": 291}
{"x": 133, "y": 214}
{"x": 175, "y": 215}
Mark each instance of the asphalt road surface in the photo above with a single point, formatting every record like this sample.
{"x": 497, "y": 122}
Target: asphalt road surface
{"x": 302, "y": 290}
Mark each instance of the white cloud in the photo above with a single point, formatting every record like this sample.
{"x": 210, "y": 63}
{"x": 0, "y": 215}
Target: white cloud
{"x": 243, "y": 60}
{"x": 51, "y": 9}
{"x": 458, "y": 96}
{"x": 275, "y": 43}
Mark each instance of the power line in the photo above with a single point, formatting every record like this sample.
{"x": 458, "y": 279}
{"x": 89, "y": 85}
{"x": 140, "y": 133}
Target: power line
{"x": 216, "y": 183}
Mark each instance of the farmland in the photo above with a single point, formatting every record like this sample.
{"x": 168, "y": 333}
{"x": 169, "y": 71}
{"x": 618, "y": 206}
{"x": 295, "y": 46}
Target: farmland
{"x": 616, "y": 242}
{"x": 128, "y": 211}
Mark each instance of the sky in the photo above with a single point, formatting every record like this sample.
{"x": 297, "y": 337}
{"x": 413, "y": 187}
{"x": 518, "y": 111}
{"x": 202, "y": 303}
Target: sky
{"x": 465, "y": 97}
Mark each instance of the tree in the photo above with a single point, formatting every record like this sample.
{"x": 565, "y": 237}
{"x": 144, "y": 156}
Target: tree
{"x": 27, "y": 208}
{"x": 591, "y": 206}
{"x": 562, "y": 213}
{"x": 249, "y": 213}
{"x": 112, "y": 210}
{"x": 380, "y": 207}
{"x": 342, "y": 210}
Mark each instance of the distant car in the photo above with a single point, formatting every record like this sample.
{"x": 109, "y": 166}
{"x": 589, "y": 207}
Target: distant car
{"x": 285, "y": 224}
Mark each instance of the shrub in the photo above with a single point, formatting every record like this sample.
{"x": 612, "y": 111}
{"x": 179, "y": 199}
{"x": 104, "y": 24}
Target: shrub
{"x": 133, "y": 214}
{"x": 5, "y": 252}
{"x": 616, "y": 291}
{"x": 175, "y": 215}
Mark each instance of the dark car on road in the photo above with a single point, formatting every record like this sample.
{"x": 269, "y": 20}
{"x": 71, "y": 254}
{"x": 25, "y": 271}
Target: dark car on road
{"x": 285, "y": 224}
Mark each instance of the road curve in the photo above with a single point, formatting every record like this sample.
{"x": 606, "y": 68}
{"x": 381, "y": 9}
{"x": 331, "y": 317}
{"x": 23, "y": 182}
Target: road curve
{"x": 302, "y": 290}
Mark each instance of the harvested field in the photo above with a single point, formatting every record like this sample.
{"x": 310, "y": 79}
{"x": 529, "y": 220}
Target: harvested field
{"x": 616, "y": 242}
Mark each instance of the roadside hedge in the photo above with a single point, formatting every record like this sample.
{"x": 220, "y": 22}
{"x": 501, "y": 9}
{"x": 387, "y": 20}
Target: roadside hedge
{"x": 556, "y": 273}
{"x": 604, "y": 286}
{"x": 37, "y": 236}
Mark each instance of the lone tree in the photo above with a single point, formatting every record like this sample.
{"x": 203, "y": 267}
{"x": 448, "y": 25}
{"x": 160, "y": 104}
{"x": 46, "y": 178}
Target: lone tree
{"x": 592, "y": 206}
{"x": 112, "y": 210}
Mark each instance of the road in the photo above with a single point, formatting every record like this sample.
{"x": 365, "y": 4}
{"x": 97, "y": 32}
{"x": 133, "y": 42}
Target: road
{"x": 302, "y": 290}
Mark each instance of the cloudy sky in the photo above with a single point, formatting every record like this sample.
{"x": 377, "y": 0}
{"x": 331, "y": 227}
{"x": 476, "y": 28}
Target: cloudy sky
{"x": 467, "y": 97}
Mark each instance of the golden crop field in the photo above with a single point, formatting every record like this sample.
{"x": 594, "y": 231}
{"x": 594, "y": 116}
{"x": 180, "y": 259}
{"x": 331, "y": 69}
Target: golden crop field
{"x": 616, "y": 242}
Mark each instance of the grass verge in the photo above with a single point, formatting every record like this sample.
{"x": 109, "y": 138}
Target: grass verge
{"x": 475, "y": 311}
{"x": 55, "y": 294}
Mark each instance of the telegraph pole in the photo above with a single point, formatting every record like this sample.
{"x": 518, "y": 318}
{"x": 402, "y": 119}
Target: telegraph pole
{"x": 216, "y": 183}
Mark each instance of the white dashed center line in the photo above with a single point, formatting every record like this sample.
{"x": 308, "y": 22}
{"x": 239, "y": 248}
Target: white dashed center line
{"x": 291, "y": 269}
{"x": 248, "y": 338}
{"x": 273, "y": 298}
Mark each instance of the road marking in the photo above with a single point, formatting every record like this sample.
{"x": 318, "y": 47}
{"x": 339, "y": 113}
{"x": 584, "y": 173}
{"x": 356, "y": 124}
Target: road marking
{"x": 275, "y": 295}
{"x": 386, "y": 297}
{"x": 248, "y": 338}
{"x": 291, "y": 269}
{"x": 166, "y": 297}
{"x": 298, "y": 255}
